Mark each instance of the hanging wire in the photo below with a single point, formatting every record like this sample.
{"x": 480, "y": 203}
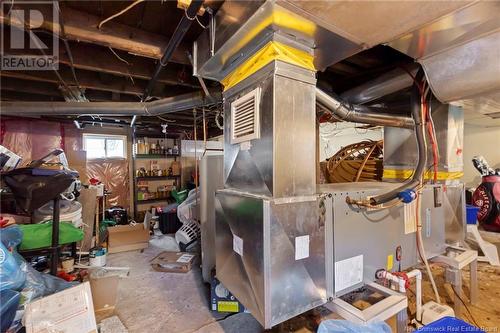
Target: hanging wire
{"x": 119, "y": 13}
{"x": 68, "y": 50}
{"x": 125, "y": 61}
{"x": 116, "y": 55}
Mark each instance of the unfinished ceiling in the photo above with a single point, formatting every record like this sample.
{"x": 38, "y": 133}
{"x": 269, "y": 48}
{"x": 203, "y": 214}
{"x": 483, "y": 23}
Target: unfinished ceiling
{"x": 108, "y": 51}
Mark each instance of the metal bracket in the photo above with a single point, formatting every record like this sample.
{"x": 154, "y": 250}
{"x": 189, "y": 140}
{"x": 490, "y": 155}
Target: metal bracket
{"x": 211, "y": 31}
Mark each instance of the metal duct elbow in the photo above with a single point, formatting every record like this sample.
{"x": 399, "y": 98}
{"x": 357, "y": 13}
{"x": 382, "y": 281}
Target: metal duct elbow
{"x": 344, "y": 111}
{"x": 422, "y": 153}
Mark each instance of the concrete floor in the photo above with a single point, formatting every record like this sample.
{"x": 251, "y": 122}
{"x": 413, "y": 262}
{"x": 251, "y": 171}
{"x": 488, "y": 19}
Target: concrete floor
{"x": 150, "y": 301}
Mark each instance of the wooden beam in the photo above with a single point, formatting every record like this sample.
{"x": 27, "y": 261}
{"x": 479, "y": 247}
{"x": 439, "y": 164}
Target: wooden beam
{"x": 81, "y": 26}
{"x": 87, "y": 79}
{"x": 30, "y": 87}
{"x": 6, "y": 95}
{"x": 106, "y": 96}
{"x": 103, "y": 60}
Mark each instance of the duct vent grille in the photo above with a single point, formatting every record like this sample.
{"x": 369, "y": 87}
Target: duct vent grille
{"x": 245, "y": 117}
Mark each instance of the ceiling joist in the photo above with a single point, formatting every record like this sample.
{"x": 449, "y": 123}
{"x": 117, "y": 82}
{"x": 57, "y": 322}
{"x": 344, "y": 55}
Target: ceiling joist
{"x": 81, "y": 26}
{"x": 87, "y": 80}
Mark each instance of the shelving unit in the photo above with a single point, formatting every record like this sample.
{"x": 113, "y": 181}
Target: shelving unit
{"x": 155, "y": 156}
{"x": 154, "y": 200}
{"x": 157, "y": 177}
{"x": 140, "y": 160}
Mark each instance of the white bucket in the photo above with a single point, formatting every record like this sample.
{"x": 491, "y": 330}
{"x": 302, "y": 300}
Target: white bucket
{"x": 97, "y": 256}
{"x": 69, "y": 211}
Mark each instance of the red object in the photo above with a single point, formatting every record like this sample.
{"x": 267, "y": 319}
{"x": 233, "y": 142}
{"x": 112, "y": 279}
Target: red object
{"x": 6, "y": 221}
{"x": 487, "y": 198}
{"x": 65, "y": 276}
{"x": 94, "y": 181}
{"x": 3, "y": 222}
{"x": 404, "y": 276}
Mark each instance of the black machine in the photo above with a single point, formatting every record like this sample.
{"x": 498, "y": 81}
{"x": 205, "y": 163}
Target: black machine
{"x": 117, "y": 214}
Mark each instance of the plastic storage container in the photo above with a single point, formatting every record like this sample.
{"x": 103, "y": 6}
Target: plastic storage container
{"x": 472, "y": 214}
{"x": 169, "y": 223}
{"x": 179, "y": 196}
{"x": 449, "y": 324}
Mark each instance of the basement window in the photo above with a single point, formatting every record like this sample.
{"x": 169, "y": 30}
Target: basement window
{"x": 245, "y": 117}
{"x": 105, "y": 146}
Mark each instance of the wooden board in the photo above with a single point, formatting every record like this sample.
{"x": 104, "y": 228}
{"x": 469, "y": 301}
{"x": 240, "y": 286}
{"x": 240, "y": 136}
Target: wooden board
{"x": 88, "y": 199}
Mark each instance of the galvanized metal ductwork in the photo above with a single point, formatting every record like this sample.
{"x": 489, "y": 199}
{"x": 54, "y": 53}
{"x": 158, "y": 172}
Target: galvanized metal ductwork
{"x": 385, "y": 84}
{"x": 459, "y": 51}
{"x": 161, "y": 106}
{"x": 271, "y": 228}
{"x": 345, "y": 111}
{"x": 269, "y": 202}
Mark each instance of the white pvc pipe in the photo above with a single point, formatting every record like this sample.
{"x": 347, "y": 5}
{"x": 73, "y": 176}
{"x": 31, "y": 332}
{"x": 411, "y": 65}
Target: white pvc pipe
{"x": 418, "y": 291}
{"x": 417, "y": 274}
{"x": 400, "y": 281}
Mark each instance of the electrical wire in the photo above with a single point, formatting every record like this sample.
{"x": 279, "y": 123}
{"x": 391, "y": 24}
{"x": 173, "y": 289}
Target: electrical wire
{"x": 435, "y": 147}
{"x": 119, "y": 13}
{"x": 68, "y": 50}
{"x": 125, "y": 61}
{"x": 431, "y": 130}
{"x": 59, "y": 77}
{"x": 418, "y": 216}
{"x": 194, "y": 18}
{"x": 61, "y": 80}
{"x": 116, "y": 55}
{"x": 466, "y": 307}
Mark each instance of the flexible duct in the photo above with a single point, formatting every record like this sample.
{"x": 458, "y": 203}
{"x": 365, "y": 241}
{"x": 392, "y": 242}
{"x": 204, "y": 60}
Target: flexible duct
{"x": 421, "y": 148}
{"x": 161, "y": 106}
{"x": 344, "y": 111}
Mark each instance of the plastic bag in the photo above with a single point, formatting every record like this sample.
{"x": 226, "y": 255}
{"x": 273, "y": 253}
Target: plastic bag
{"x": 40, "y": 284}
{"x": 9, "y": 301}
{"x": 185, "y": 211}
{"x": 344, "y": 326}
{"x": 12, "y": 274}
{"x": 11, "y": 236}
{"x": 17, "y": 274}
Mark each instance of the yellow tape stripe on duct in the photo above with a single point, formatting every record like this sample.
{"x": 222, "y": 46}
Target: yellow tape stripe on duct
{"x": 271, "y": 51}
{"x": 406, "y": 174}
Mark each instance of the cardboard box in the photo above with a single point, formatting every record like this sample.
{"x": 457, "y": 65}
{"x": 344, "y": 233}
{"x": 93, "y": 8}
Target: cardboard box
{"x": 77, "y": 160}
{"x": 174, "y": 262}
{"x": 127, "y": 238}
{"x": 70, "y": 310}
{"x": 104, "y": 294}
